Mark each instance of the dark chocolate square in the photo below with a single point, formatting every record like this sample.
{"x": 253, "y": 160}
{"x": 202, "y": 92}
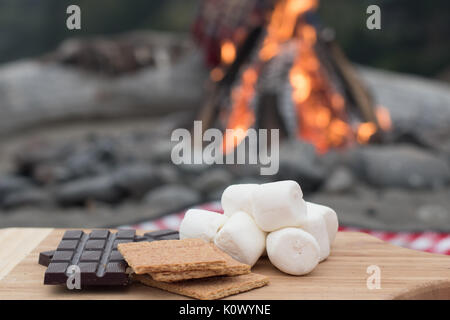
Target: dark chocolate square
{"x": 91, "y": 256}
{"x": 88, "y": 267}
{"x": 125, "y": 234}
{"x": 95, "y": 245}
{"x": 99, "y": 234}
{"x": 170, "y": 237}
{"x": 142, "y": 238}
{"x": 67, "y": 245}
{"x": 160, "y": 233}
{"x": 57, "y": 267}
{"x": 116, "y": 267}
{"x": 115, "y": 256}
{"x": 72, "y": 235}
{"x": 116, "y": 242}
{"x": 45, "y": 257}
{"x": 56, "y": 273}
{"x": 62, "y": 256}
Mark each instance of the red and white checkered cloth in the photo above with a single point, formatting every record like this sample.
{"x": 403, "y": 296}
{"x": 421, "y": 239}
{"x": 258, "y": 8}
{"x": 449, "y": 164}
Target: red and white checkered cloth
{"x": 433, "y": 242}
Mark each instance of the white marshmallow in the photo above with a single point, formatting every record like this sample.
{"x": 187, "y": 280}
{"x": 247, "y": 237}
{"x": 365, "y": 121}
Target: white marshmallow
{"x": 329, "y": 216}
{"x": 293, "y": 251}
{"x": 316, "y": 226}
{"x": 278, "y": 205}
{"x": 201, "y": 224}
{"x": 241, "y": 238}
{"x": 237, "y": 197}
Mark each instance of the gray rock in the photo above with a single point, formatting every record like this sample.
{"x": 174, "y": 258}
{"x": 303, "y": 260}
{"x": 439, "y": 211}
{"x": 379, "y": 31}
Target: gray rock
{"x": 94, "y": 161}
{"x": 402, "y": 166}
{"x": 32, "y": 197}
{"x": 104, "y": 149}
{"x": 299, "y": 162}
{"x": 214, "y": 179}
{"x": 12, "y": 184}
{"x": 415, "y": 104}
{"x": 390, "y": 209}
{"x": 340, "y": 180}
{"x": 172, "y": 197}
{"x": 297, "y": 149}
{"x": 255, "y": 180}
{"x": 249, "y": 171}
{"x": 102, "y": 188}
{"x": 81, "y": 165}
{"x": 50, "y": 173}
{"x": 433, "y": 215}
{"x": 35, "y": 93}
{"x": 161, "y": 151}
{"x": 137, "y": 179}
{"x": 35, "y": 153}
{"x": 173, "y": 121}
{"x": 333, "y": 159}
{"x": 214, "y": 194}
{"x": 58, "y": 161}
{"x": 193, "y": 169}
{"x": 92, "y": 216}
{"x": 168, "y": 173}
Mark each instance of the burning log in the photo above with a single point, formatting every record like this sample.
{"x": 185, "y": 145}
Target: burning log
{"x": 285, "y": 71}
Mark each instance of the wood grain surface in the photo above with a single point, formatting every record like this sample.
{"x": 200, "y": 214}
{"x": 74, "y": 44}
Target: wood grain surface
{"x": 405, "y": 274}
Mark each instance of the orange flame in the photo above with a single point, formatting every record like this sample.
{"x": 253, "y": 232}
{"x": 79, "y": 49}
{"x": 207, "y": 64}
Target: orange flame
{"x": 338, "y": 132}
{"x": 282, "y": 25}
{"x": 337, "y": 102}
{"x": 228, "y": 52}
{"x": 365, "y": 131}
{"x": 241, "y": 116}
{"x": 320, "y": 108}
{"x": 216, "y": 74}
{"x": 301, "y": 84}
{"x": 384, "y": 118}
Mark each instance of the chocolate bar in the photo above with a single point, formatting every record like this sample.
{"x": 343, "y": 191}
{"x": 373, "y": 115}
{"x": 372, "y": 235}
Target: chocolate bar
{"x": 96, "y": 254}
{"x": 45, "y": 257}
{"x": 161, "y": 235}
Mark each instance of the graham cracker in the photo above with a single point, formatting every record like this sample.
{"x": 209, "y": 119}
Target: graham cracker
{"x": 171, "y": 256}
{"x": 209, "y": 288}
{"x": 231, "y": 268}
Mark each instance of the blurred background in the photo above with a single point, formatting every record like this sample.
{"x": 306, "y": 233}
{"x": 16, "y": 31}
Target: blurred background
{"x": 86, "y": 115}
{"x": 415, "y": 38}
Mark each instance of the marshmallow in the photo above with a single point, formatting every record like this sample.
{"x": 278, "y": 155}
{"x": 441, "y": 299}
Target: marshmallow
{"x": 316, "y": 226}
{"x": 241, "y": 238}
{"x": 293, "y": 251}
{"x": 237, "y": 197}
{"x": 201, "y": 224}
{"x": 278, "y": 204}
{"x": 329, "y": 215}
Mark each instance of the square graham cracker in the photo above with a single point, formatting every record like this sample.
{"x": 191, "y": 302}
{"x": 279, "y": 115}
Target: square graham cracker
{"x": 231, "y": 268}
{"x": 209, "y": 288}
{"x": 171, "y": 256}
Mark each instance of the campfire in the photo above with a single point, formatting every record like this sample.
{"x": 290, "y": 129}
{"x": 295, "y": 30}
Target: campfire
{"x": 88, "y": 139}
{"x": 275, "y": 66}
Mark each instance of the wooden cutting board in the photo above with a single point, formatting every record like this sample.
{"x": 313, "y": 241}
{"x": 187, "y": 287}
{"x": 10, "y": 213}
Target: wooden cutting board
{"x": 405, "y": 274}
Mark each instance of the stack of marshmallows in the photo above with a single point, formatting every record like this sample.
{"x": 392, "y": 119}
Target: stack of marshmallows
{"x": 270, "y": 219}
